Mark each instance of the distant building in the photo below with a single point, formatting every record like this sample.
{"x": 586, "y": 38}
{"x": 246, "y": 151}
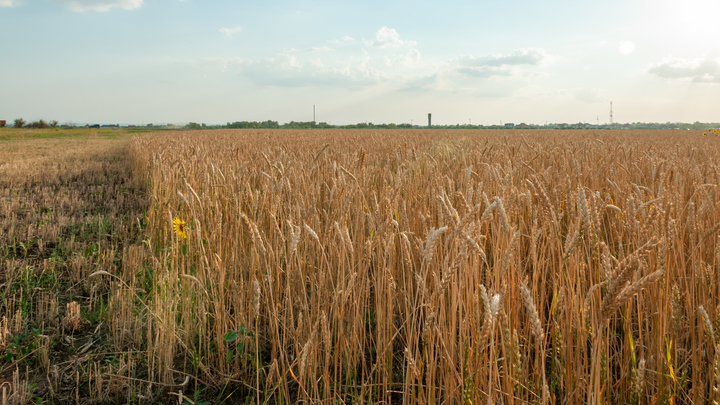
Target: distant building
{"x": 3, "y": 123}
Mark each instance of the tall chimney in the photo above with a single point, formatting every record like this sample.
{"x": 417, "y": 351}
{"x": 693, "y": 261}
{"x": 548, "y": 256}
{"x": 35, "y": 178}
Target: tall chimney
{"x": 429, "y": 119}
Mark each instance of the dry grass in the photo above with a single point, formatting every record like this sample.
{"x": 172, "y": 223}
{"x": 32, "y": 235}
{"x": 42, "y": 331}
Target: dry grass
{"x": 414, "y": 267}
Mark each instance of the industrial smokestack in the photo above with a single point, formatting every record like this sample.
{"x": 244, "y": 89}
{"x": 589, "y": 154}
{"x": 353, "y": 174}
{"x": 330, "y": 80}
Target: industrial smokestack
{"x": 429, "y": 119}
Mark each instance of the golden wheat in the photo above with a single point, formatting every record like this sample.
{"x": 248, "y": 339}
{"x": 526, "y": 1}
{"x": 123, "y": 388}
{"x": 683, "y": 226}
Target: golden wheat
{"x": 410, "y": 267}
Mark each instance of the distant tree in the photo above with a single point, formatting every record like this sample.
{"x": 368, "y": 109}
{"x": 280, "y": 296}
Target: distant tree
{"x": 40, "y": 124}
{"x": 54, "y": 123}
{"x": 299, "y": 125}
{"x": 237, "y": 124}
{"x": 193, "y": 125}
{"x": 269, "y": 124}
{"x": 19, "y": 123}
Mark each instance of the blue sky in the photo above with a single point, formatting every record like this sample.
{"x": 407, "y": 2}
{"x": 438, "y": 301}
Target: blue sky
{"x": 214, "y": 61}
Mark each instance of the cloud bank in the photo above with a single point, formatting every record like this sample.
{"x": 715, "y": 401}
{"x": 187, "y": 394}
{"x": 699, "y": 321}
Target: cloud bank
{"x": 700, "y": 70}
{"x": 499, "y": 65}
{"x": 398, "y": 66}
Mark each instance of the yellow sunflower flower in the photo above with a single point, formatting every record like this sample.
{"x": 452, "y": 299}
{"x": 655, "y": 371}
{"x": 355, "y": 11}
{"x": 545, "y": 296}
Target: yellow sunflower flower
{"x": 704, "y": 134}
{"x": 179, "y": 228}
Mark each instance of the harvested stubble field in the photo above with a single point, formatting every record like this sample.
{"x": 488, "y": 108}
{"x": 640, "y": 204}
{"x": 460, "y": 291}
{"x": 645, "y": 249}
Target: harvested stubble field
{"x": 69, "y": 206}
{"x": 414, "y": 267}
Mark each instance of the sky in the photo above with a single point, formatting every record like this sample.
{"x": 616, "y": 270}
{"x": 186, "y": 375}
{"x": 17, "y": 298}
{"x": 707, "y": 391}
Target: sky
{"x": 480, "y": 62}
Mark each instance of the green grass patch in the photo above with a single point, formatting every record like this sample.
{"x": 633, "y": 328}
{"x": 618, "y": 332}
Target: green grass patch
{"x": 11, "y": 134}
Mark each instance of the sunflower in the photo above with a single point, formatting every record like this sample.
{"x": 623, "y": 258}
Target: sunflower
{"x": 704, "y": 134}
{"x": 715, "y": 130}
{"x": 179, "y": 228}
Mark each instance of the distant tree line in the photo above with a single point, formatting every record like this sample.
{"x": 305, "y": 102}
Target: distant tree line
{"x": 369, "y": 125}
{"x": 21, "y": 123}
{"x": 270, "y": 124}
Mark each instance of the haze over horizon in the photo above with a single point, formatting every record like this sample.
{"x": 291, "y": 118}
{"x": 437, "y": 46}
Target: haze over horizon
{"x": 175, "y": 61}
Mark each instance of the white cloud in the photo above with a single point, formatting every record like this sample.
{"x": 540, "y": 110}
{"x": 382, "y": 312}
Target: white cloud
{"x": 98, "y": 5}
{"x": 488, "y": 76}
{"x": 10, "y": 3}
{"x": 287, "y": 71}
{"x": 409, "y": 59}
{"x": 224, "y": 64}
{"x": 343, "y": 39}
{"x": 700, "y": 70}
{"x": 321, "y": 49}
{"x": 523, "y": 56}
{"x": 393, "y": 63}
{"x": 388, "y": 38}
{"x": 289, "y": 62}
{"x": 626, "y": 47}
{"x": 297, "y": 70}
{"x": 499, "y": 65}
{"x": 230, "y": 31}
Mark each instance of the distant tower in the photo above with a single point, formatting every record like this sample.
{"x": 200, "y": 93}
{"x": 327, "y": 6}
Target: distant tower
{"x": 429, "y": 119}
{"x": 313, "y": 113}
{"x": 611, "y": 117}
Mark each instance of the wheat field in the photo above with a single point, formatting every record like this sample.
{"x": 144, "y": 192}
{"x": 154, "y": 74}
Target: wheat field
{"x": 411, "y": 267}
